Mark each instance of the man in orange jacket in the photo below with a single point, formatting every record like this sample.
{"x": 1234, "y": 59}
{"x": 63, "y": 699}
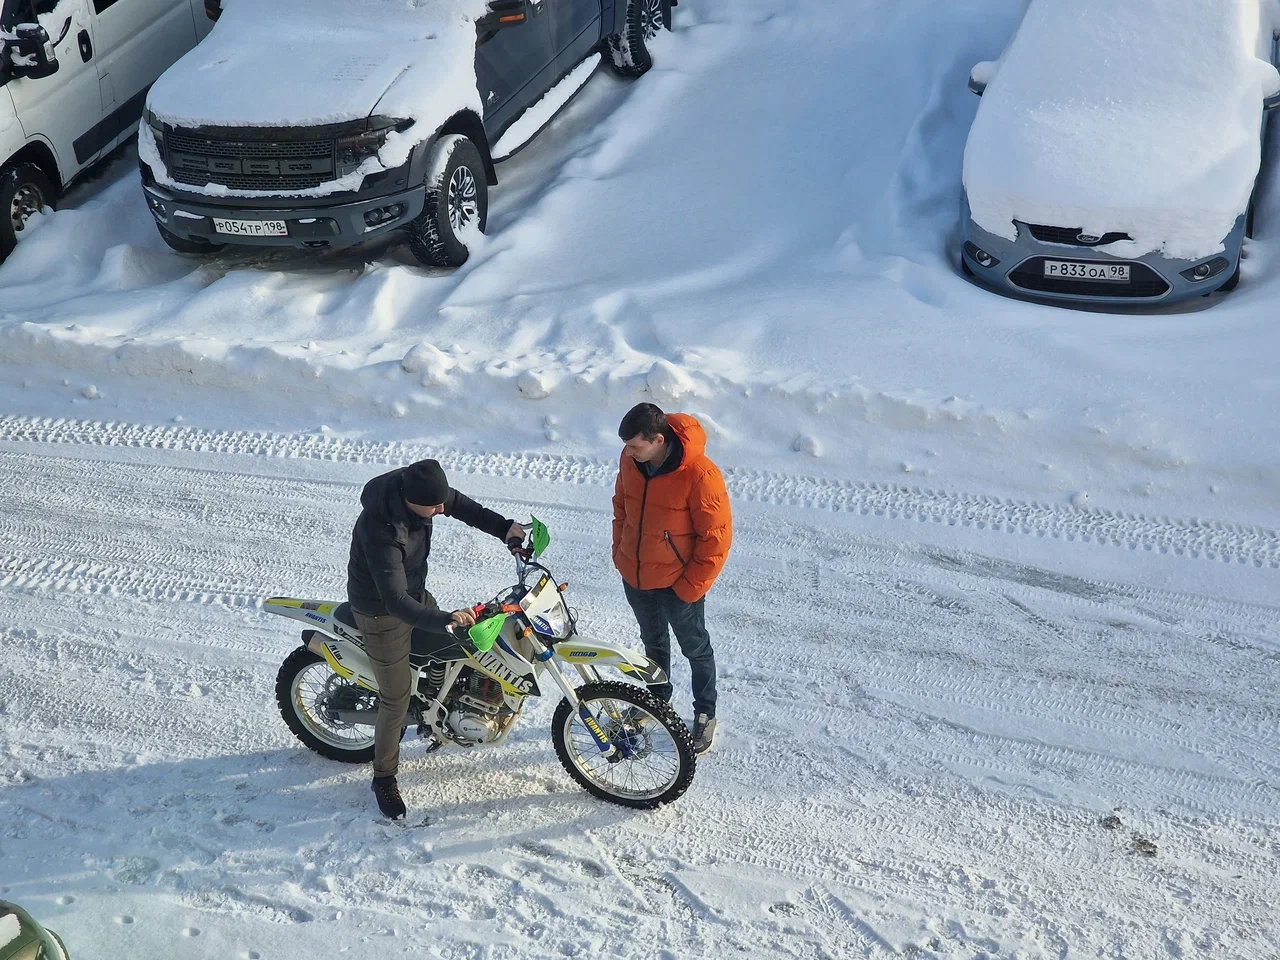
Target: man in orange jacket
{"x": 671, "y": 533}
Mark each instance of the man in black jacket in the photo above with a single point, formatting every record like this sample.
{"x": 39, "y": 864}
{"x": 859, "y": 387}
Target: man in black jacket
{"x": 386, "y": 585}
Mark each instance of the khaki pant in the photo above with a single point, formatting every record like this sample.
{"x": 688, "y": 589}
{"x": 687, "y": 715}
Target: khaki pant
{"x": 387, "y": 641}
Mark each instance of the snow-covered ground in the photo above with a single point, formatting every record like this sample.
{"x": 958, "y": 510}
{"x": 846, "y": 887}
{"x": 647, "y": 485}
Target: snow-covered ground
{"x": 919, "y": 744}
{"x": 1002, "y": 571}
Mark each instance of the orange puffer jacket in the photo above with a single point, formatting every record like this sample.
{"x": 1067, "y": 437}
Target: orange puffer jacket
{"x": 673, "y": 530}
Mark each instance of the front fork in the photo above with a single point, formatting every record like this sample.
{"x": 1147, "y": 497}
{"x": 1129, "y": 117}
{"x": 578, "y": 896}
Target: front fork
{"x": 613, "y": 752}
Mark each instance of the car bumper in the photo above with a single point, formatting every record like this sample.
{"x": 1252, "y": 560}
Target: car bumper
{"x": 309, "y": 224}
{"x": 1153, "y": 278}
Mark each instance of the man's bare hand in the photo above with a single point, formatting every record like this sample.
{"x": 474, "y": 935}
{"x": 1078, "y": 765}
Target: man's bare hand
{"x": 463, "y": 619}
{"x": 515, "y": 533}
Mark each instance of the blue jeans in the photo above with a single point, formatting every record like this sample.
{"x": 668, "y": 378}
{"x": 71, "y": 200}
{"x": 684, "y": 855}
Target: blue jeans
{"x": 655, "y": 610}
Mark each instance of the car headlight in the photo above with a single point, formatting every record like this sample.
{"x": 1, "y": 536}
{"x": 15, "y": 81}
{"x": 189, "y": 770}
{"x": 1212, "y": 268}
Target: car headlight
{"x": 1207, "y": 270}
{"x": 356, "y": 149}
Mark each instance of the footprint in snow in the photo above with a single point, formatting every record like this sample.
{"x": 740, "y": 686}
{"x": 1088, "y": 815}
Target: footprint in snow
{"x": 125, "y": 920}
{"x": 65, "y": 901}
{"x": 191, "y": 932}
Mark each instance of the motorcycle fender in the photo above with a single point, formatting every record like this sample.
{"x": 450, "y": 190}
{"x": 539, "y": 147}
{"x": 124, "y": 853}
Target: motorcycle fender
{"x": 579, "y": 652}
{"x": 345, "y": 659}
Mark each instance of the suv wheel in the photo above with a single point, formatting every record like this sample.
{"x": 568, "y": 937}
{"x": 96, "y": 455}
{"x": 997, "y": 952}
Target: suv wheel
{"x": 24, "y": 192}
{"x": 457, "y": 204}
{"x": 628, "y": 52}
{"x": 189, "y": 246}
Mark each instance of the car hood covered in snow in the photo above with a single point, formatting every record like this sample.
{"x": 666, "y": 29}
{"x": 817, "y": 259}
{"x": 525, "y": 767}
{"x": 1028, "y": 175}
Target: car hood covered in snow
{"x": 271, "y": 63}
{"x": 1141, "y": 117}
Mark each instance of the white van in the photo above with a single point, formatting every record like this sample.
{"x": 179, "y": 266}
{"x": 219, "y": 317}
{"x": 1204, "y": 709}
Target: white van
{"x": 74, "y": 76}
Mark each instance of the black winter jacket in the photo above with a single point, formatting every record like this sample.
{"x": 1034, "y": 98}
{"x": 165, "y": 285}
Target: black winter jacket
{"x": 387, "y": 571}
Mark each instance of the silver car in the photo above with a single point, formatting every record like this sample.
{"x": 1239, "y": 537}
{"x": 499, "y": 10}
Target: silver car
{"x": 1115, "y": 156}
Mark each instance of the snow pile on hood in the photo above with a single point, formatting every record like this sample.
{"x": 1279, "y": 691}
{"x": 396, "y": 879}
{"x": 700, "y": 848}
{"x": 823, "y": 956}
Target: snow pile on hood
{"x": 275, "y": 63}
{"x": 10, "y": 927}
{"x": 1141, "y": 117}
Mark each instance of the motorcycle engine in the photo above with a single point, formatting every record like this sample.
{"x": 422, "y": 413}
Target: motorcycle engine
{"x": 478, "y": 713}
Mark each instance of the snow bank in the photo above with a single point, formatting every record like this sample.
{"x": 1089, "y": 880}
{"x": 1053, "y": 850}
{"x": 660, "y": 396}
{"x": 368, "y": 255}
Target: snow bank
{"x": 1140, "y": 117}
{"x": 298, "y": 63}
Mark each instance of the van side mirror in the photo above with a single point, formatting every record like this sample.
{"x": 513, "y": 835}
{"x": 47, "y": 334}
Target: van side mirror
{"x": 30, "y": 52}
{"x": 981, "y": 75}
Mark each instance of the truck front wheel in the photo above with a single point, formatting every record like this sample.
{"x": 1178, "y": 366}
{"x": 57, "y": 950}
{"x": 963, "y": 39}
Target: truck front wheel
{"x": 457, "y": 204}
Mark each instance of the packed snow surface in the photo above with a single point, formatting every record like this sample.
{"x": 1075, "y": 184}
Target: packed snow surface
{"x": 1140, "y": 117}
{"x": 300, "y": 63}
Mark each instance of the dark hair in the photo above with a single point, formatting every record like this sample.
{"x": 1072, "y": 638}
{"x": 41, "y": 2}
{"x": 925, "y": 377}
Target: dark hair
{"x": 644, "y": 420}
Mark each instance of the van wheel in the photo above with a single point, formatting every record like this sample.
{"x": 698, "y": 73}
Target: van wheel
{"x": 457, "y": 204}
{"x": 628, "y": 51}
{"x": 189, "y": 246}
{"x": 24, "y": 192}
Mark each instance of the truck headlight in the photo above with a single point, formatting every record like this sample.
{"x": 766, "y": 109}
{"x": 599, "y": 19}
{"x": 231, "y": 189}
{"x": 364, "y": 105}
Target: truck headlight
{"x": 356, "y": 149}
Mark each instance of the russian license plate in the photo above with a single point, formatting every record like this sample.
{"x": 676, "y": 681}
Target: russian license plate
{"x": 251, "y": 228}
{"x": 1074, "y": 270}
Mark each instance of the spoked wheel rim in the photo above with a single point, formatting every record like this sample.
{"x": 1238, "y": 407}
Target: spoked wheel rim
{"x": 464, "y": 200}
{"x": 312, "y": 692}
{"x": 26, "y": 203}
{"x": 651, "y": 20}
{"x": 655, "y": 764}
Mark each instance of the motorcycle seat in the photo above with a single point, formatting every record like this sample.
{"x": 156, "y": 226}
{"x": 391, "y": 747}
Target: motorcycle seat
{"x": 344, "y": 615}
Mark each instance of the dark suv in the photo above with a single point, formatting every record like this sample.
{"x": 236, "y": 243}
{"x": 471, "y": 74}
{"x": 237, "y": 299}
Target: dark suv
{"x": 237, "y": 150}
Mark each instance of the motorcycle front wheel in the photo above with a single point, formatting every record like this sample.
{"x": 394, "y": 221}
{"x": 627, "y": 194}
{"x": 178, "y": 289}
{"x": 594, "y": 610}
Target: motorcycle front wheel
{"x": 657, "y": 763}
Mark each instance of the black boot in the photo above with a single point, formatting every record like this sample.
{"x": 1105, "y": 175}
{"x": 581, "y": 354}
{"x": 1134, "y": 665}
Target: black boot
{"x": 387, "y": 793}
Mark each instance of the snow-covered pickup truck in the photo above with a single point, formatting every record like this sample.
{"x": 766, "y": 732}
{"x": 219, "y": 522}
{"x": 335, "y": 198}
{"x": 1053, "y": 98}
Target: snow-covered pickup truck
{"x": 323, "y": 123}
{"x": 1117, "y": 147}
{"x": 73, "y": 78}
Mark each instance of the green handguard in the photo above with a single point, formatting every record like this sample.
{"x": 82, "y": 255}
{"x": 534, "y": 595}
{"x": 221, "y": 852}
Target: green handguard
{"x": 484, "y": 633}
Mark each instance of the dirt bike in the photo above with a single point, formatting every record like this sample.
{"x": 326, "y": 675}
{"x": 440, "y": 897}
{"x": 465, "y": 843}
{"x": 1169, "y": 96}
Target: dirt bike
{"x": 616, "y": 739}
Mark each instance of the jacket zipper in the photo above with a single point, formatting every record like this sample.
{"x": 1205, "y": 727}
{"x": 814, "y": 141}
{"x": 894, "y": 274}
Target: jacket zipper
{"x": 640, "y": 528}
{"x": 674, "y": 549}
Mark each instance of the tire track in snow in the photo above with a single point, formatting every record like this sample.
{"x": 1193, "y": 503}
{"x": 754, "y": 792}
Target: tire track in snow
{"x": 1194, "y": 537}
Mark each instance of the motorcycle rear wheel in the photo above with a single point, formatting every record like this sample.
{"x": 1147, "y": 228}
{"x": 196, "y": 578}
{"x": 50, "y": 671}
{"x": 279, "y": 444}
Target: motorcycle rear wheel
{"x": 663, "y": 761}
{"x": 304, "y": 679}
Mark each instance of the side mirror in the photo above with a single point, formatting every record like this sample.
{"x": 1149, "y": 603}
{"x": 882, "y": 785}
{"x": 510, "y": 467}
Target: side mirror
{"x": 31, "y": 53}
{"x": 981, "y": 75}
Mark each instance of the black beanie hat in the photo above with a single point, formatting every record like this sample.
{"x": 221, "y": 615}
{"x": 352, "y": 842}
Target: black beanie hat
{"x": 424, "y": 483}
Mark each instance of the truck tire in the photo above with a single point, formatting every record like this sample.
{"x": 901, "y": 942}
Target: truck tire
{"x": 628, "y": 52}
{"x": 457, "y": 204}
{"x": 24, "y": 191}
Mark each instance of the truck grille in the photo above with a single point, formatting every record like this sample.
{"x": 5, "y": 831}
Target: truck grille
{"x": 269, "y": 164}
{"x": 1144, "y": 283}
{"x": 1070, "y": 236}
